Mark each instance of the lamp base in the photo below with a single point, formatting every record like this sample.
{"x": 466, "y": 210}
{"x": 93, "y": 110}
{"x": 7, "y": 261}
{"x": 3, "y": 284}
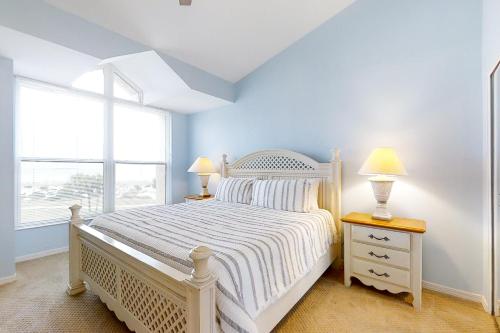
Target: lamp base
{"x": 381, "y": 212}
{"x": 382, "y": 190}
{"x": 204, "y": 184}
{"x": 204, "y": 192}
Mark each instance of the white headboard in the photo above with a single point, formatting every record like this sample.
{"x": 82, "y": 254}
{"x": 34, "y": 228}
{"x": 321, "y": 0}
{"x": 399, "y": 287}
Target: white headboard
{"x": 279, "y": 164}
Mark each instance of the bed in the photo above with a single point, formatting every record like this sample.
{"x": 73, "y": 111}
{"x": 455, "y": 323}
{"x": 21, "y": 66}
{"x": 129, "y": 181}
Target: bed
{"x": 203, "y": 267}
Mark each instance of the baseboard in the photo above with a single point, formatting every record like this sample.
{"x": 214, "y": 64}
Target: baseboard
{"x": 41, "y": 254}
{"x": 7, "y": 279}
{"x": 485, "y": 304}
{"x": 454, "y": 292}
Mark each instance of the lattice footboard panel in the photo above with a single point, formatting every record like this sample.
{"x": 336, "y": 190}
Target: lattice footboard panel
{"x": 154, "y": 308}
{"x": 101, "y": 270}
{"x": 150, "y": 306}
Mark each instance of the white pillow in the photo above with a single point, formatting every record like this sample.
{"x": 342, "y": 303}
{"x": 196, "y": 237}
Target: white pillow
{"x": 237, "y": 190}
{"x": 295, "y": 195}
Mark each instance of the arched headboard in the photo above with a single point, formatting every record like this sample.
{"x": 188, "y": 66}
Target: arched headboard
{"x": 282, "y": 164}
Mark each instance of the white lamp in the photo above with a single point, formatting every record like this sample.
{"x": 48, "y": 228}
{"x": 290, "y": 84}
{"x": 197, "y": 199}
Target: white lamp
{"x": 384, "y": 164}
{"x": 204, "y": 167}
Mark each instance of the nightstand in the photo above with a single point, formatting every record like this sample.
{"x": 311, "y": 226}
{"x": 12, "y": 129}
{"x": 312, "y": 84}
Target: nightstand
{"x": 384, "y": 254}
{"x": 197, "y": 197}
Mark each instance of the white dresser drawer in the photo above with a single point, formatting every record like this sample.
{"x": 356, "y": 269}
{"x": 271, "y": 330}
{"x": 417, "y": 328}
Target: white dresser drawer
{"x": 381, "y": 254}
{"x": 381, "y": 237}
{"x": 381, "y": 272}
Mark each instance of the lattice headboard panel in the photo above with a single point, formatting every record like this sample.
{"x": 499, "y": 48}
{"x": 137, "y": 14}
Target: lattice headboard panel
{"x": 274, "y": 162}
{"x": 282, "y": 164}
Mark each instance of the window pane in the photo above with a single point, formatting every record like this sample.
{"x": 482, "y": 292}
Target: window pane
{"x": 55, "y": 123}
{"x": 122, "y": 89}
{"x": 139, "y": 134}
{"x": 91, "y": 81}
{"x": 139, "y": 185}
{"x": 49, "y": 188}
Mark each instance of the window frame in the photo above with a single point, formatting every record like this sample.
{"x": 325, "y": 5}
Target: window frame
{"x": 108, "y": 161}
{"x": 125, "y": 79}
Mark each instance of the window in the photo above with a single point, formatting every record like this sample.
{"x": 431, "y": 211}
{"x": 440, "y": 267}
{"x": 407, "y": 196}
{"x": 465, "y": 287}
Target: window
{"x": 139, "y": 150}
{"x": 91, "y": 81}
{"x": 87, "y": 148}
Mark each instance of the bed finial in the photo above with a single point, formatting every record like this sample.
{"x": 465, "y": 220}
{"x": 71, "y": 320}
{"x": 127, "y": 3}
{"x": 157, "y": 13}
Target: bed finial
{"x": 75, "y": 283}
{"x": 75, "y": 214}
{"x": 223, "y": 167}
{"x": 335, "y": 154}
{"x": 200, "y": 256}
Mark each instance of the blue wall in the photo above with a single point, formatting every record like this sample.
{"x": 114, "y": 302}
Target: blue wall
{"x": 400, "y": 73}
{"x": 7, "y": 268}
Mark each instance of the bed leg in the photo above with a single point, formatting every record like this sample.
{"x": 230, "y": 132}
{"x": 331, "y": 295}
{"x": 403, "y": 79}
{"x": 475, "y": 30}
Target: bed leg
{"x": 75, "y": 284}
{"x": 201, "y": 293}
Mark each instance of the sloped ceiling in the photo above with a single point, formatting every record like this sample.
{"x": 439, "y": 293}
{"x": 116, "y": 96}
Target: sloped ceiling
{"x": 227, "y": 38}
{"x": 161, "y": 85}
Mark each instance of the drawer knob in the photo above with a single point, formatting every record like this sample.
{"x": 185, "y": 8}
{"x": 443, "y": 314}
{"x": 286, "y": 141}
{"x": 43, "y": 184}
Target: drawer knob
{"x": 385, "y": 256}
{"x": 377, "y": 274}
{"x": 383, "y": 238}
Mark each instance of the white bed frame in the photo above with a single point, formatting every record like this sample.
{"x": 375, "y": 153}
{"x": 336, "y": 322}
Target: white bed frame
{"x": 150, "y": 296}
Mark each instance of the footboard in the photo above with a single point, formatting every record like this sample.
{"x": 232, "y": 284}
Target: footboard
{"x": 148, "y": 295}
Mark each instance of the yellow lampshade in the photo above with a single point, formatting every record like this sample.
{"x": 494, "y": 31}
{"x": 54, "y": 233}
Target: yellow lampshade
{"x": 202, "y": 165}
{"x": 383, "y": 161}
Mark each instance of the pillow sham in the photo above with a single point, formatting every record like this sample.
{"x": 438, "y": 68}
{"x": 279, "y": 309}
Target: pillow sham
{"x": 238, "y": 190}
{"x": 295, "y": 195}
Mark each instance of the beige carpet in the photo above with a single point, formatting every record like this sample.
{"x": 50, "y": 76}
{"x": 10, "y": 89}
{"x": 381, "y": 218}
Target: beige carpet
{"x": 37, "y": 302}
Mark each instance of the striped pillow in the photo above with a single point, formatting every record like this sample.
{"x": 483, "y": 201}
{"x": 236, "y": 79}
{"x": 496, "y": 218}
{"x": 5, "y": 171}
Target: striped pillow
{"x": 295, "y": 195}
{"x": 237, "y": 190}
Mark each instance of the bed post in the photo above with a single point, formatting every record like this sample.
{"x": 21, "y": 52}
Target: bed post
{"x": 201, "y": 293}
{"x": 336, "y": 172}
{"x": 223, "y": 167}
{"x": 336, "y": 204}
{"x": 75, "y": 284}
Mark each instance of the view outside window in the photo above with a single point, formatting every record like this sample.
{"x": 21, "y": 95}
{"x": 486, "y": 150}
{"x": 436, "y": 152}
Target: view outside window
{"x": 61, "y": 146}
{"x": 139, "y": 185}
{"x": 49, "y": 188}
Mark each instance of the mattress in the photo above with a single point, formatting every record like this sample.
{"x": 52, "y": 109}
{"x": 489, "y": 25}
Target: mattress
{"x": 259, "y": 253}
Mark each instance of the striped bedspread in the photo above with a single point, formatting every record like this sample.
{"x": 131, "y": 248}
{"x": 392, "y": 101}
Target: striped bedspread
{"x": 259, "y": 253}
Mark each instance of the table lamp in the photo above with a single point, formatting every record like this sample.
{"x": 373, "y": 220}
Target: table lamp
{"x": 204, "y": 167}
{"x": 384, "y": 165}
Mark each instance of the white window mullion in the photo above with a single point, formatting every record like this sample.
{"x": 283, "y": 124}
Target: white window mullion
{"x": 109, "y": 165}
{"x": 17, "y": 170}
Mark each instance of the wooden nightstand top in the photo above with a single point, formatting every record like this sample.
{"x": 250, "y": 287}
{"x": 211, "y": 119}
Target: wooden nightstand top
{"x": 198, "y": 197}
{"x": 396, "y": 223}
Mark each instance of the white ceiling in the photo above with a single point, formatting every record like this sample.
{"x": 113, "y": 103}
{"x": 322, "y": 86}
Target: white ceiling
{"x": 228, "y": 38}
